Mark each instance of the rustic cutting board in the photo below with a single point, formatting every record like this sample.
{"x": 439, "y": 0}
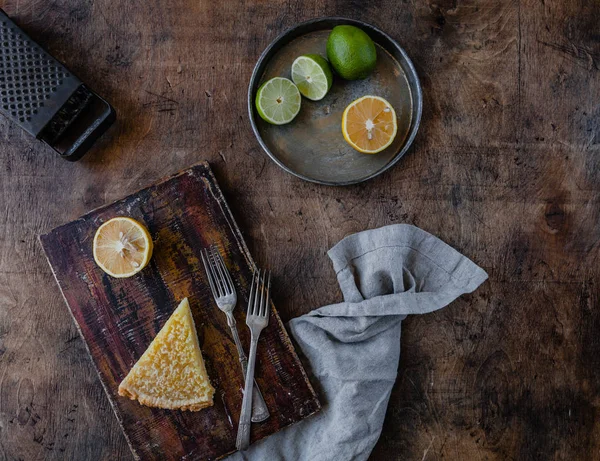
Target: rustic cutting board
{"x": 118, "y": 318}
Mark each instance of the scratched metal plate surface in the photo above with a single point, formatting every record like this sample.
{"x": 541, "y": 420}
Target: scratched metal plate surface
{"x": 312, "y": 145}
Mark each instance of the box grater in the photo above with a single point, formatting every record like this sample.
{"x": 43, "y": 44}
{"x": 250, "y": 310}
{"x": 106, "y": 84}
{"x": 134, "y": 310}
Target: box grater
{"x": 45, "y": 99}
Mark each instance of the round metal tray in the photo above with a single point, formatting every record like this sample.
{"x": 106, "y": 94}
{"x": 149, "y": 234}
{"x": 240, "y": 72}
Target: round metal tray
{"x": 312, "y": 146}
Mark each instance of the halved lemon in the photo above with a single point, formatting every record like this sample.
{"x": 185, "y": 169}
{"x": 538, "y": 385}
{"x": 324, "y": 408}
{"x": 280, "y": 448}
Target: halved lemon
{"x": 122, "y": 247}
{"x": 369, "y": 124}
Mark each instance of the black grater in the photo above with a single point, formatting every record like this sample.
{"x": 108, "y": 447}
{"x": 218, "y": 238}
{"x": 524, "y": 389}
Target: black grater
{"x": 45, "y": 99}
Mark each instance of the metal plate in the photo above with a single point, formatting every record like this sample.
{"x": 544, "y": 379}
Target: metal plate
{"x": 312, "y": 146}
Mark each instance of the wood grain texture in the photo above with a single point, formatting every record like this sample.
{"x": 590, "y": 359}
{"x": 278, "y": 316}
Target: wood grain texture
{"x": 118, "y": 318}
{"x": 506, "y": 168}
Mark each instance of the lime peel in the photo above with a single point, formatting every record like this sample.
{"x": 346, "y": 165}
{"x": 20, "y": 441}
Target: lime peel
{"x": 278, "y": 101}
{"x": 312, "y": 75}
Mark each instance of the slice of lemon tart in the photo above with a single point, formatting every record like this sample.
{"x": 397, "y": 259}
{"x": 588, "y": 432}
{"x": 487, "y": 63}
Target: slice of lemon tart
{"x": 171, "y": 373}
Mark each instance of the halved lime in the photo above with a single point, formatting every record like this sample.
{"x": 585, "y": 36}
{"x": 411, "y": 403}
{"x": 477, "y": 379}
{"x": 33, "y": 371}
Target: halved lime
{"x": 312, "y": 76}
{"x": 278, "y": 101}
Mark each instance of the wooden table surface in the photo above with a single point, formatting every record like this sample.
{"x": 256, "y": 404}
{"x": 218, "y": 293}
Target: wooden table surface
{"x": 506, "y": 168}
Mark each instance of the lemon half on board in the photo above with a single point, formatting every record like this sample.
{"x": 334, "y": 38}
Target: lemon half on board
{"x": 122, "y": 247}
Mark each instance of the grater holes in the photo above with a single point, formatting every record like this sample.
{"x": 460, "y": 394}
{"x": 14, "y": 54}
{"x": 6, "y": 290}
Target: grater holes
{"x": 28, "y": 76}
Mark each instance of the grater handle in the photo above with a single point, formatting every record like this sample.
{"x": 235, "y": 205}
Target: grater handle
{"x": 90, "y": 135}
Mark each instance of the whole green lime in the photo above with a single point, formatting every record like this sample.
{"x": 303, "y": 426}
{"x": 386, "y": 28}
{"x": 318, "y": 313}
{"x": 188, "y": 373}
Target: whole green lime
{"x": 351, "y": 52}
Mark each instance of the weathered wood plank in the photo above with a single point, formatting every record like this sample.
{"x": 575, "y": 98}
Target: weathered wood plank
{"x": 505, "y": 168}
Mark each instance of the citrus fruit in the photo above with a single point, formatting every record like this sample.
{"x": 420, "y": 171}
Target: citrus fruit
{"x": 312, "y": 76}
{"x": 278, "y": 101}
{"x": 351, "y": 52}
{"x": 122, "y": 247}
{"x": 369, "y": 124}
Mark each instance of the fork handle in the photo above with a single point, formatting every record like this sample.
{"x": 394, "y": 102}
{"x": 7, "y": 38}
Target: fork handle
{"x": 236, "y": 340}
{"x": 243, "y": 435}
{"x": 260, "y": 412}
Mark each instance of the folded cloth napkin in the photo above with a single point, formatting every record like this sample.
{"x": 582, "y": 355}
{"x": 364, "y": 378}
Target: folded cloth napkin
{"x": 353, "y": 348}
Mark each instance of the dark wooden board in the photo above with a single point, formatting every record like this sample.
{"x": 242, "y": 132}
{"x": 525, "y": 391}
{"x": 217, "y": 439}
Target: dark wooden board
{"x": 118, "y": 318}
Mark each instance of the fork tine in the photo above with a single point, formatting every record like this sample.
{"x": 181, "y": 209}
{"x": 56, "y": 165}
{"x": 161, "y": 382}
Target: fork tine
{"x": 262, "y": 294}
{"x": 209, "y": 275}
{"x": 231, "y": 285}
{"x": 214, "y": 275}
{"x": 225, "y": 276}
{"x": 213, "y": 258}
{"x": 256, "y": 286}
{"x": 258, "y": 293}
{"x": 257, "y": 299}
{"x": 265, "y": 311}
{"x": 265, "y": 279}
{"x": 251, "y": 296}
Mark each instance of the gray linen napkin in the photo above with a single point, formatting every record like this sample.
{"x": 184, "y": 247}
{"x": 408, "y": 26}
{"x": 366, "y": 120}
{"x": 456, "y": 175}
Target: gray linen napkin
{"x": 353, "y": 348}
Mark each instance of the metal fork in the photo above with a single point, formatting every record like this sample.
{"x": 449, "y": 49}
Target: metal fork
{"x": 257, "y": 318}
{"x": 225, "y": 296}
